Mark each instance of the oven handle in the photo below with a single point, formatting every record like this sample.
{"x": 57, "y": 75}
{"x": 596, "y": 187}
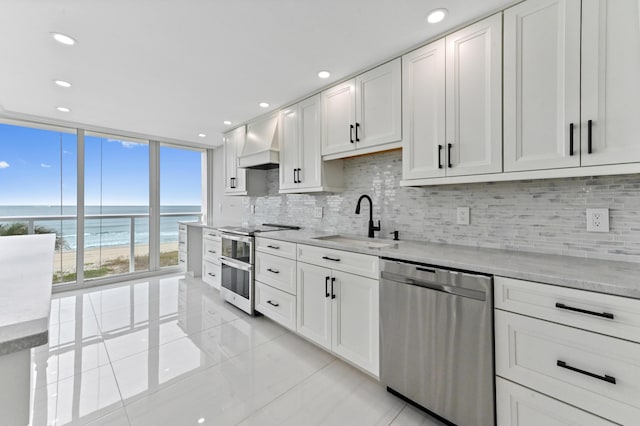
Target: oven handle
{"x": 235, "y": 264}
{"x": 241, "y": 238}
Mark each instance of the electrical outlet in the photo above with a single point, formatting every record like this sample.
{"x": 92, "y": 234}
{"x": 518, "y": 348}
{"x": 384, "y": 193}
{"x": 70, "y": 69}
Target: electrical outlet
{"x": 598, "y": 220}
{"x": 253, "y": 208}
{"x": 317, "y": 212}
{"x": 463, "y": 215}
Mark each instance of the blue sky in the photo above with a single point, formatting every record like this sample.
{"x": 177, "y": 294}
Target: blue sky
{"x": 32, "y": 162}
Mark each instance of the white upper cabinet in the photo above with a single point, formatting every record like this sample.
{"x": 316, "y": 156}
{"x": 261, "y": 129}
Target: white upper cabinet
{"x": 301, "y": 165}
{"x": 610, "y": 82}
{"x": 362, "y": 114}
{"x": 452, "y": 104}
{"x": 234, "y": 177}
{"x": 474, "y": 98}
{"x": 423, "y": 119}
{"x": 542, "y": 85}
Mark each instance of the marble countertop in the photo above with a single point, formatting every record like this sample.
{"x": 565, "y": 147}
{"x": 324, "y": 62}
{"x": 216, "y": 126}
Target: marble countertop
{"x": 26, "y": 265}
{"x": 610, "y": 277}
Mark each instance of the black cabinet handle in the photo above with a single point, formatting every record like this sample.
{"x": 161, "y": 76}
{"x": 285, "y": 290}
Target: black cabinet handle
{"x": 210, "y": 274}
{"x": 294, "y": 176}
{"x": 273, "y": 304}
{"x": 273, "y": 271}
{"x": 273, "y": 247}
{"x": 326, "y": 287}
{"x": 449, "y": 155}
{"x": 233, "y": 182}
{"x": 331, "y": 258}
{"x": 571, "y": 139}
{"x": 418, "y": 268}
{"x": 351, "y": 133}
{"x": 333, "y": 295}
{"x": 584, "y": 311}
{"x": 439, "y": 156}
{"x": 212, "y": 251}
{"x": 357, "y": 127}
{"x": 181, "y": 261}
{"x": 589, "y": 134}
{"x": 299, "y": 180}
{"x": 605, "y": 378}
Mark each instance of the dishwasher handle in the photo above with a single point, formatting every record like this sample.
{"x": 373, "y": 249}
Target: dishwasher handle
{"x": 444, "y": 288}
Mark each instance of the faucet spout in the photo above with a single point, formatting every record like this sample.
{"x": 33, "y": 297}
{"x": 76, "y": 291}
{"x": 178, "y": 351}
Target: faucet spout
{"x": 372, "y": 227}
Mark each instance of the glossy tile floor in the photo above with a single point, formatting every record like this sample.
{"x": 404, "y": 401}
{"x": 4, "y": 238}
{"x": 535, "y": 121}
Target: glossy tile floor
{"x": 169, "y": 351}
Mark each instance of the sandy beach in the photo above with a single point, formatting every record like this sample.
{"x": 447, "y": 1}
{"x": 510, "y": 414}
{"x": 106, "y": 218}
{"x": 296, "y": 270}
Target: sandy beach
{"x": 66, "y": 261}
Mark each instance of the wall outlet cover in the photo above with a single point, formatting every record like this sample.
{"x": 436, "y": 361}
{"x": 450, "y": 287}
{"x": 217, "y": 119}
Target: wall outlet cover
{"x": 317, "y": 212}
{"x": 462, "y": 215}
{"x": 598, "y": 220}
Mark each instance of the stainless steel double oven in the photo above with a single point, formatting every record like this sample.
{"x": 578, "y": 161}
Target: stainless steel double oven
{"x": 237, "y": 260}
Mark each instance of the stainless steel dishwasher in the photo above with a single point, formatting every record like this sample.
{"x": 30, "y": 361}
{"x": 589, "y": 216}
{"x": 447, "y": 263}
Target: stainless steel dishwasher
{"x": 437, "y": 340}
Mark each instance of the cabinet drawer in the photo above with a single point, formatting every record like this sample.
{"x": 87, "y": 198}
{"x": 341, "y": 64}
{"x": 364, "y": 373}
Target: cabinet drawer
{"x": 276, "y": 304}
{"x": 211, "y": 250}
{"x": 211, "y": 274}
{"x": 182, "y": 241}
{"x": 210, "y": 233}
{"x": 279, "y": 248}
{"x": 519, "y": 406}
{"x": 276, "y": 271}
{"x": 531, "y": 352}
{"x": 558, "y": 304}
{"x": 182, "y": 259}
{"x": 355, "y": 263}
{"x": 182, "y": 227}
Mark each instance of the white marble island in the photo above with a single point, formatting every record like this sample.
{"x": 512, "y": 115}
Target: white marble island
{"x": 26, "y": 272}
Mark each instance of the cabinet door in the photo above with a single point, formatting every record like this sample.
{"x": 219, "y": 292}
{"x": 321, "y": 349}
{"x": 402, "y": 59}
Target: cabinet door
{"x": 519, "y": 406}
{"x": 241, "y": 174}
{"x": 338, "y": 118}
{"x": 474, "y": 98}
{"x": 423, "y": 100}
{"x": 314, "y": 303}
{"x": 542, "y": 85}
{"x": 229, "y": 161}
{"x": 379, "y": 105}
{"x": 289, "y": 151}
{"x": 355, "y": 311}
{"x": 310, "y": 174}
{"x": 610, "y": 81}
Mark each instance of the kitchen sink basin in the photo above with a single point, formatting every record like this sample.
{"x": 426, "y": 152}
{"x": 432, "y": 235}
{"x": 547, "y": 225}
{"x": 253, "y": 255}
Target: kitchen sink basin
{"x": 350, "y": 241}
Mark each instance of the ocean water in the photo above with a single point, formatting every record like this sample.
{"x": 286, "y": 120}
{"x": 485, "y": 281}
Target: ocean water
{"x": 105, "y": 232}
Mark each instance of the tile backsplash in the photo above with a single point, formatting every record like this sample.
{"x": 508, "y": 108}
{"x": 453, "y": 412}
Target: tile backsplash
{"x": 546, "y": 216}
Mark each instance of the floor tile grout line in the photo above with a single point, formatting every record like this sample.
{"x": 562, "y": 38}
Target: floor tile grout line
{"x": 303, "y": 380}
{"x": 398, "y": 414}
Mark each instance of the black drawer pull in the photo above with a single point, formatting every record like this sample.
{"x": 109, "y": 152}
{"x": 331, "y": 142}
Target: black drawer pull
{"x": 326, "y": 287}
{"x": 273, "y": 247}
{"x": 433, "y": 271}
{"x": 439, "y": 156}
{"x": 449, "y": 155}
{"x": 273, "y": 271}
{"x": 210, "y": 274}
{"x": 333, "y": 280}
{"x": 211, "y": 235}
{"x": 357, "y": 127}
{"x": 212, "y": 251}
{"x": 584, "y": 311}
{"x": 589, "y": 136}
{"x": 604, "y": 378}
{"x": 181, "y": 261}
{"x": 331, "y": 258}
{"x": 272, "y": 303}
{"x": 351, "y": 133}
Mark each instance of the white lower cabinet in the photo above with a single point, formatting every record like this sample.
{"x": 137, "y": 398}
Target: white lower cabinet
{"x": 340, "y": 311}
{"x": 576, "y": 365}
{"x": 211, "y": 274}
{"x": 520, "y": 406}
{"x": 276, "y": 304}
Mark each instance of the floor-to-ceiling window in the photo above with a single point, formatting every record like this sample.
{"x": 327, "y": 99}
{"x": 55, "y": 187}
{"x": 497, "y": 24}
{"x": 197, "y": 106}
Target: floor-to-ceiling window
{"x": 38, "y": 184}
{"x": 180, "y": 196}
{"x": 46, "y": 172}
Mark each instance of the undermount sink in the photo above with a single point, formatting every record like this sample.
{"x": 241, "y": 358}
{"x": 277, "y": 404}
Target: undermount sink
{"x": 370, "y": 243}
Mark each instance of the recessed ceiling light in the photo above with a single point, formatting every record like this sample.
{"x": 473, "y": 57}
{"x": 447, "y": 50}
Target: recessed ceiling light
{"x": 202, "y": 135}
{"x": 436, "y": 15}
{"x": 226, "y": 122}
{"x": 264, "y": 105}
{"x": 201, "y": 420}
{"x": 324, "y": 74}
{"x": 64, "y": 39}
{"x": 63, "y": 109}
{"x": 62, "y": 83}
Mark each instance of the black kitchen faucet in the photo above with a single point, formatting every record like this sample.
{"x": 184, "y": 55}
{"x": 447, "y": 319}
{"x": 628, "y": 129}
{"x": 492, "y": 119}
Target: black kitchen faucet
{"x": 372, "y": 228}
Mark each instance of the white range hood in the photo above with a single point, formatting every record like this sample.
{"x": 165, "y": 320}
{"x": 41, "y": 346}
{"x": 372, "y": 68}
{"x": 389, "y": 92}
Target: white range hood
{"x": 261, "y": 147}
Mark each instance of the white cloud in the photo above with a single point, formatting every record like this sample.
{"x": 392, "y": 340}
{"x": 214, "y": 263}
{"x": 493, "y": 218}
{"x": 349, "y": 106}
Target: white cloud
{"x": 45, "y": 166}
{"x": 126, "y": 144}
{"x": 4, "y": 165}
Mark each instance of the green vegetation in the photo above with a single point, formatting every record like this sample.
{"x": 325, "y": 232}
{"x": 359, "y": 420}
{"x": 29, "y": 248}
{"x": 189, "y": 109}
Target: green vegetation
{"x": 119, "y": 265}
{"x": 22, "y": 229}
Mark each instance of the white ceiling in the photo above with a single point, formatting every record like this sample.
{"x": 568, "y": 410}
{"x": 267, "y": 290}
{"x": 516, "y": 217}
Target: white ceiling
{"x": 175, "y": 68}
